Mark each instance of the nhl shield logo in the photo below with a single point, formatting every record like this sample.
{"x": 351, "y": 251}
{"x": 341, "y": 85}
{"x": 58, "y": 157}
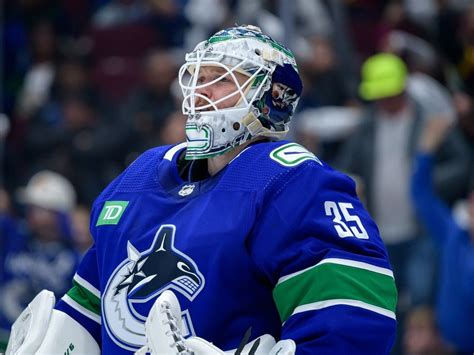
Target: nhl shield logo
{"x": 186, "y": 190}
{"x": 139, "y": 280}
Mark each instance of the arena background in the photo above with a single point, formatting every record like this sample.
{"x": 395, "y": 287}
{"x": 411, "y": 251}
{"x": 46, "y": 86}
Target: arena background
{"x": 88, "y": 85}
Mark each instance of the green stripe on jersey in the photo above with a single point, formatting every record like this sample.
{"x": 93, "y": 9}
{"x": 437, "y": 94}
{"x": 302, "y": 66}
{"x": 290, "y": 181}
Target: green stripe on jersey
{"x": 332, "y": 281}
{"x": 85, "y": 298}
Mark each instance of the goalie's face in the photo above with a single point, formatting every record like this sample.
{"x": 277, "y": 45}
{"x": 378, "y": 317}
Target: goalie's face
{"x": 218, "y": 88}
{"x": 227, "y": 82}
{"x": 215, "y": 103}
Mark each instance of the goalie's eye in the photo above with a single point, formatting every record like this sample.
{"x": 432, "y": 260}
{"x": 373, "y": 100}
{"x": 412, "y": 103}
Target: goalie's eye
{"x": 218, "y": 77}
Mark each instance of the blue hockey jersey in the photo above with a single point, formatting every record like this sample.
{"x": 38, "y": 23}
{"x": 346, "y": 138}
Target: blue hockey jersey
{"x": 276, "y": 241}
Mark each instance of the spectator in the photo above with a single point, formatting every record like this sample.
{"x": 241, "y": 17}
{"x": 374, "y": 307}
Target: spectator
{"x": 39, "y": 77}
{"x": 380, "y": 152}
{"x": 455, "y": 301}
{"x": 47, "y": 258}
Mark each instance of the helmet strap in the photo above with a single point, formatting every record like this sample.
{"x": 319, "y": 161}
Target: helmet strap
{"x": 253, "y": 124}
{"x": 255, "y": 127}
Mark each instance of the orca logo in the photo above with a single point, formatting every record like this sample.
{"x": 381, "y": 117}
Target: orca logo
{"x": 139, "y": 280}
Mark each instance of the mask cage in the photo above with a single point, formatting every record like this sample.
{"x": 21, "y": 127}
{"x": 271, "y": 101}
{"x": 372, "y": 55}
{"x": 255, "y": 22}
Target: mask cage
{"x": 248, "y": 92}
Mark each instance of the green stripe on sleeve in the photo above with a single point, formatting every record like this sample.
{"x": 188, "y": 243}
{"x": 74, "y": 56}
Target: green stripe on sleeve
{"x": 332, "y": 281}
{"x": 85, "y": 298}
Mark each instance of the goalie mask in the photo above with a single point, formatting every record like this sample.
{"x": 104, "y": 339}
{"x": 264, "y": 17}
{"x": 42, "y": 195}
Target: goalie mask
{"x": 267, "y": 90}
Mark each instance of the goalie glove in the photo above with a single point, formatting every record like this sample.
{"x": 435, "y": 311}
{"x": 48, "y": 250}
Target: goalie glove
{"x": 163, "y": 330}
{"x": 30, "y": 327}
{"x": 42, "y": 330}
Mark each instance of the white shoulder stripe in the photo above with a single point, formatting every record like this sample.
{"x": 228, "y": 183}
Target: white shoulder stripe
{"x": 238, "y": 155}
{"x": 358, "y": 264}
{"x": 337, "y": 302}
{"x": 87, "y": 285}
{"x": 170, "y": 153}
{"x": 81, "y": 309}
{"x": 346, "y": 262}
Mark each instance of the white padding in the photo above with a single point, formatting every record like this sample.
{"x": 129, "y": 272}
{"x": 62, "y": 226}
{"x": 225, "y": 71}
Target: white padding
{"x": 66, "y": 336}
{"x": 284, "y": 347}
{"x": 30, "y": 327}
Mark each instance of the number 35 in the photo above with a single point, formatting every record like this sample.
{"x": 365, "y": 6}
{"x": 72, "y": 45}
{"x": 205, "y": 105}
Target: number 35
{"x": 341, "y": 217}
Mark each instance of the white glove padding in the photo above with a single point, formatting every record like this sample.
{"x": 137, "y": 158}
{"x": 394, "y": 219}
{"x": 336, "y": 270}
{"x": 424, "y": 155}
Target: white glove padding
{"x": 42, "y": 330}
{"x": 284, "y": 347}
{"x": 163, "y": 329}
{"x": 30, "y": 327}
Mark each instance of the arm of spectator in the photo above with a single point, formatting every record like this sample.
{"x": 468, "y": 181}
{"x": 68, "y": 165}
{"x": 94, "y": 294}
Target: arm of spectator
{"x": 452, "y": 168}
{"x": 433, "y": 212}
{"x": 433, "y": 135}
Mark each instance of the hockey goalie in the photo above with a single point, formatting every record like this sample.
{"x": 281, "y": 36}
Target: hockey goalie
{"x": 234, "y": 229}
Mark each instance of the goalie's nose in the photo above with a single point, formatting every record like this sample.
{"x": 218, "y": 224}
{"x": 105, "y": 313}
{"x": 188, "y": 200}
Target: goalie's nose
{"x": 204, "y": 97}
{"x": 204, "y": 103}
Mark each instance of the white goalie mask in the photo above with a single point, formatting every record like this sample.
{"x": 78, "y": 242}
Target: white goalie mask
{"x": 265, "y": 100}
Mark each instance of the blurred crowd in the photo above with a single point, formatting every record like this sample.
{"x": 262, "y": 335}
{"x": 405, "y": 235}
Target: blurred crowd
{"x": 388, "y": 98}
